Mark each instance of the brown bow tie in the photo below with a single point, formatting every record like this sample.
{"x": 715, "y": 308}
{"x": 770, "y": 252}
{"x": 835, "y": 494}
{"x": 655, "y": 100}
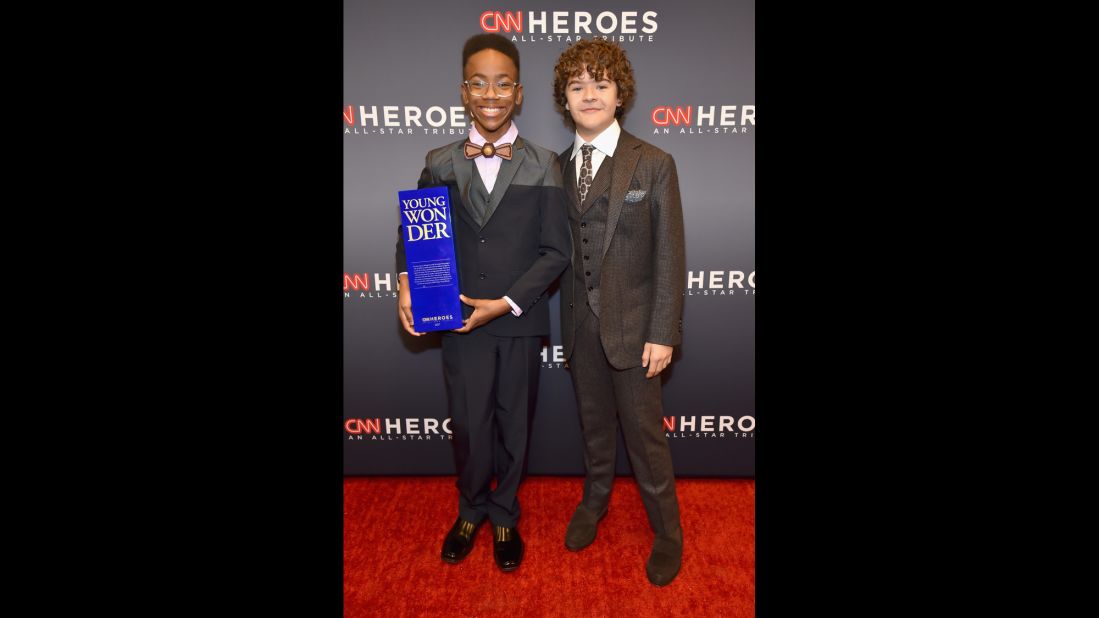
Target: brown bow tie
{"x": 487, "y": 151}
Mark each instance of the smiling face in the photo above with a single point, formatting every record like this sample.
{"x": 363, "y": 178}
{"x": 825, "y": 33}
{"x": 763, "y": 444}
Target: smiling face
{"x": 592, "y": 104}
{"x": 491, "y": 112}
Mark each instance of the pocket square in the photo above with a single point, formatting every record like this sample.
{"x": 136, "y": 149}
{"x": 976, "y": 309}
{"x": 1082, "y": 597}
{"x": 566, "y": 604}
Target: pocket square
{"x": 635, "y": 195}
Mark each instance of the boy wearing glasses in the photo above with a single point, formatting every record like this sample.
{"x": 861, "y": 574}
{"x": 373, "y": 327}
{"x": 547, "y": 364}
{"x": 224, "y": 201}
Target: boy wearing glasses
{"x": 511, "y": 240}
{"x": 622, "y": 295}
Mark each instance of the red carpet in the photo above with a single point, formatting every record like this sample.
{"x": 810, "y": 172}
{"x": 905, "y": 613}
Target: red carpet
{"x": 394, "y": 529}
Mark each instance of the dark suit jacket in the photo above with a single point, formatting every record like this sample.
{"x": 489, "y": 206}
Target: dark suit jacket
{"x": 643, "y": 270}
{"x": 524, "y": 245}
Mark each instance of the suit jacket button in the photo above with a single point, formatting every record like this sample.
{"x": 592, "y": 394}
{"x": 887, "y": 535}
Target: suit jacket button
{"x": 482, "y": 275}
{"x": 570, "y": 305}
{"x": 590, "y": 288}
{"x": 585, "y": 240}
{"x": 583, "y": 224}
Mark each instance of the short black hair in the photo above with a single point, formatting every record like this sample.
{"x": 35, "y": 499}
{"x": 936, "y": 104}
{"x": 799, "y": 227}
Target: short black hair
{"x": 482, "y": 42}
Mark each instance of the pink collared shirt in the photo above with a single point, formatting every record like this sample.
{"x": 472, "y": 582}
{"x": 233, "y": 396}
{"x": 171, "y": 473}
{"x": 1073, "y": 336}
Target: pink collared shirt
{"x": 489, "y": 168}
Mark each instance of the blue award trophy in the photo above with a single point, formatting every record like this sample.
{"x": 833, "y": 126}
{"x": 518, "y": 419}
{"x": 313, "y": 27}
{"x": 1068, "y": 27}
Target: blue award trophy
{"x": 429, "y": 253}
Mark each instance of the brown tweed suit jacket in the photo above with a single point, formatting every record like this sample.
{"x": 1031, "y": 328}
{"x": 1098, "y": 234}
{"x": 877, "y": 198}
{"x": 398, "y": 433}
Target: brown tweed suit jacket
{"x": 643, "y": 269}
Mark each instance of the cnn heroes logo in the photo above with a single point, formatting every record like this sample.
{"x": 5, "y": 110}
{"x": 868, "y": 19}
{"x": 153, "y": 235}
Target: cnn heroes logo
{"x": 398, "y": 429}
{"x": 553, "y": 357}
{"x": 362, "y": 286}
{"x": 569, "y": 26}
{"x": 404, "y": 120}
{"x": 720, "y": 283}
{"x": 700, "y": 119}
{"x": 710, "y": 426}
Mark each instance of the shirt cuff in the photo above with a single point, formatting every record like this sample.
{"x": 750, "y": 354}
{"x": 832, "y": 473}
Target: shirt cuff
{"x": 515, "y": 310}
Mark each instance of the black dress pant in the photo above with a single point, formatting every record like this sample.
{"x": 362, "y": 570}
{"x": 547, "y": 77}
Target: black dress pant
{"x": 492, "y": 385}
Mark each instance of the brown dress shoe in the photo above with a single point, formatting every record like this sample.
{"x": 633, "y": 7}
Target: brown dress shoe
{"x": 582, "y": 527}
{"x": 664, "y": 561}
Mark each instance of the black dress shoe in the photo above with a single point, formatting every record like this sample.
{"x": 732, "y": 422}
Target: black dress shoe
{"x": 507, "y": 548}
{"x": 459, "y": 541}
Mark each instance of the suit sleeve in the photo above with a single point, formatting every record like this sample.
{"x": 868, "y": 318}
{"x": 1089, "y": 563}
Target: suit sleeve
{"x": 555, "y": 244}
{"x": 669, "y": 261}
{"x": 426, "y": 180}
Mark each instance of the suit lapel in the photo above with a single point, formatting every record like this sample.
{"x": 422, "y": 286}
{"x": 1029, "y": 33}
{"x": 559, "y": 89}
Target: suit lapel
{"x": 503, "y": 178}
{"x": 463, "y": 174}
{"x": 569, "y": 178}
{"x": 623, "y": 164}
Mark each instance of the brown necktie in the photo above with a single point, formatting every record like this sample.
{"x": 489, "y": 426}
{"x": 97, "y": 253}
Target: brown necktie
{"x": 584, "y": 182}
{"x": 473, "y": 151}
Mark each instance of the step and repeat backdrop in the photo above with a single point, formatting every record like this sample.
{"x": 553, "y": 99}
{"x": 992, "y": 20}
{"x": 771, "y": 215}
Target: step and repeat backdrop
{"x": 694, "y": 62}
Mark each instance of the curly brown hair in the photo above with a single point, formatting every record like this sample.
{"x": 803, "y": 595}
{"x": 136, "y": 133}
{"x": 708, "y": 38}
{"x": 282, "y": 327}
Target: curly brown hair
{"x": 596, "y": 56}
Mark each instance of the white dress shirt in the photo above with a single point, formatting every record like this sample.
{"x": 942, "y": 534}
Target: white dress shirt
{"x": 604, "y": 143}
